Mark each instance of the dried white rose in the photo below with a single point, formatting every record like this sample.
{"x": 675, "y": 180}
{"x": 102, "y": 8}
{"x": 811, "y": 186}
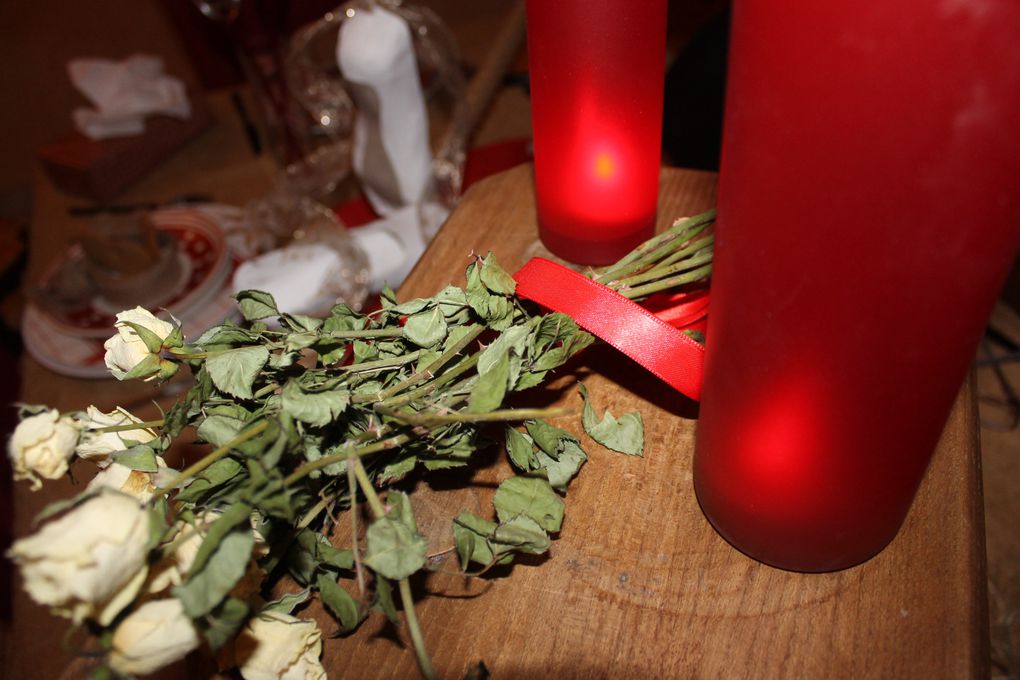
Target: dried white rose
{"x": 153, "y": 636}
{"x": 97, "y": 446}
{"x": 135, "y": 483}
{"x": 126, "y": 350}
{"x": 41, "y": 446}
{"x": 278, "y": 646}
{"x": 90, "y": 563}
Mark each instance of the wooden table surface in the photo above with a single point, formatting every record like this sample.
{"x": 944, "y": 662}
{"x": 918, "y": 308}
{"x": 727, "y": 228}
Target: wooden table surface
{"x": 638, "y": 583}
{"x": 637, "y": 580}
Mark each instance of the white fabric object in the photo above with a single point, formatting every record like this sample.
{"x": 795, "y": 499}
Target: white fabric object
{"x": 393, "y": 245}
{"x": 391, "y": 154}
{"x": 124, "y": 93}
{"x": 297, "y": 277}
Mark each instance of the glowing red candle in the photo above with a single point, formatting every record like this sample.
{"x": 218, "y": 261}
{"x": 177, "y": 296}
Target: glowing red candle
{"x": 597, "y": 69}
{"x": 869, "y": 211}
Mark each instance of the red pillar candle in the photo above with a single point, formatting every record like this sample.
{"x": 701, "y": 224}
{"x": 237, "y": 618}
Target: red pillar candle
{"x": 597, "y": 69}
{"x": 869, "y": 211}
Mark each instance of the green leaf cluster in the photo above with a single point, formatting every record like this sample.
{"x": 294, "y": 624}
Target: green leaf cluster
{"x": 303, "y": 418}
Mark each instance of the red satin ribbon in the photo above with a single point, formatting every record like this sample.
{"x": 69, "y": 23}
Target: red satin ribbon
{"x": 646, "y": 337}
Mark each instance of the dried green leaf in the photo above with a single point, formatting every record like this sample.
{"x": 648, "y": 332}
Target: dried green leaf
{"x": 528, "y": 379}
{"x": 530, "y": 496}
{"x": 220, "y": 474}
{"x": 398, "y": 468}
{"x": 313, "y": 452}
{"x": 394, "y": 549}
{"x": 695, "y": 335}
{"x": 312, "y": 552}
{"x": 206, "y": 587}
{"x": 411, "y": 306}
{"x": 454, "y": 304}
{"x": 302, "y": 559}
{"x": 235, "y": 370}
{"x": 341, "y": 315}
{"x": 255, "y": 305}
{"x": 549, "y": 438}
{"x": 288, "y": 603}
{"x": 331, "y": 352}
{"x": 141, "y": 458}
{"x": 427, "y": 328}
{"x": 158, "y": 513}
{"x": 223, "y": 423}
{"x": 400, "y": 509}
{"x": 387, "y": 297}
{"x": 225, "y": 335}
{"x": 300, "y": 340}
{"x": 235, "y": 515}
{"x": 521, "y": 533}
{"x": 626, "y": 434}
{"x": 272, "y": 454}
{"x": 339, "y": 602}
{"x": 301, "y": 322}
{"x": 495, "y": 277}
{"x": 562, "y": 469}
{"x": 313, "y": 407}
{"x": 280, "y": 504}
{"x": 521, "y": 450}
{"x": 333, "y": 557}
{"x": 471, "y": 536}
{"x": 489, "y": 390}
{"x": 456, "y": 334}
{"x": 223, "y": 622}
{"x": 513, "y": 341}
{"x": 500, "y": 313}
{"x": 384, "y": 599}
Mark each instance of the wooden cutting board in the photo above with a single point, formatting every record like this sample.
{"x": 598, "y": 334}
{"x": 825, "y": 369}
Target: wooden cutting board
{"x": 638, "y": 583}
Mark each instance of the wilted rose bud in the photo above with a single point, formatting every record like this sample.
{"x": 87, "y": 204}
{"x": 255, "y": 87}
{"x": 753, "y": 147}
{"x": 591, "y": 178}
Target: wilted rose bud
{"x": 153, "y": 636}
{"x": 41, "y": 446}
{"x": 89, "y": 563}
{"x": 134, "y": 351}
{"x": 97, "y": 446}
{"x": 141, "y": 485}
{"x": 275, "y": 645}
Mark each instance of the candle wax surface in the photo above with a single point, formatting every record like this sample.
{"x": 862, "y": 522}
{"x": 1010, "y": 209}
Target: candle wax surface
{"x": 597, "y": 72}
{"x": 869, "y": 211}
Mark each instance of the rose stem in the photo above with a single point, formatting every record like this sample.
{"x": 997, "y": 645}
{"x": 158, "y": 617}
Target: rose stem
{"x": 127, "y": 427}
{"x": 211, "y": 458}
{"x": 417, "y": 640}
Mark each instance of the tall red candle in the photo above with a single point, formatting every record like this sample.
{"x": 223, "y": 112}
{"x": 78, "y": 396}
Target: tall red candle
{"x": 869, "y": 211}
{"x": 597, "y": 69}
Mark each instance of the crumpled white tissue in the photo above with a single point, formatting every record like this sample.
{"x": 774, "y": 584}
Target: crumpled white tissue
{"x": 124, "y": 93}
{"x": 297, "y": 276}
{"x": 392, "y": 245}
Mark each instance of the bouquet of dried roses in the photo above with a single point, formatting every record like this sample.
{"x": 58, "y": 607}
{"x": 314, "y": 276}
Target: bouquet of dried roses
{"x": 305, "y": 418}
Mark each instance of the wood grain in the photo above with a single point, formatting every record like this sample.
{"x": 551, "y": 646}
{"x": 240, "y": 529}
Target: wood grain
{"x": 638, "y": 582}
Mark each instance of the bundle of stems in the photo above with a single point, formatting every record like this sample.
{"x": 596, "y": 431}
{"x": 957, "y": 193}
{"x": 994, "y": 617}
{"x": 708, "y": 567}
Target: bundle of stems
{"x": 308, "y": 417}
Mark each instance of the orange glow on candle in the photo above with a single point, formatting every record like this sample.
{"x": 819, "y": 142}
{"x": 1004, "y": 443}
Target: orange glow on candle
{"x": 605, "y": 168}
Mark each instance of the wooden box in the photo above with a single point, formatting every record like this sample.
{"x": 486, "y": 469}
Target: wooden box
{"x": 101, "y": 169}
